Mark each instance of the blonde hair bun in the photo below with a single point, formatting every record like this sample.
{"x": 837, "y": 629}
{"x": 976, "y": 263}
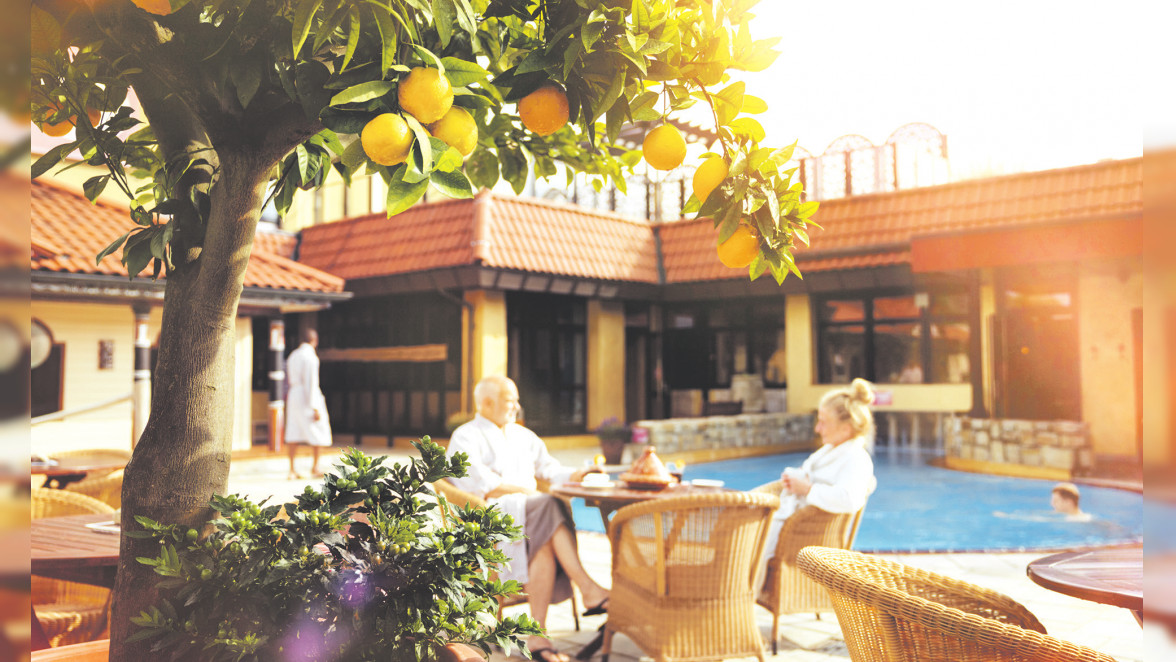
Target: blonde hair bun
{"x": 862, "y": 391}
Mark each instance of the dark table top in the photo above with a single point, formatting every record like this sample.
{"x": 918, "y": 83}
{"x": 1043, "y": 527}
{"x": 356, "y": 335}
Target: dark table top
{"x": 1110, "y": 576}
{"x": 65, "y": 548}
{"x": 80, "y": 464}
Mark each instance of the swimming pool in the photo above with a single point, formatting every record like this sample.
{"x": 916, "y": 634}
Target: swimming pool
{"x": 919, "y": 507}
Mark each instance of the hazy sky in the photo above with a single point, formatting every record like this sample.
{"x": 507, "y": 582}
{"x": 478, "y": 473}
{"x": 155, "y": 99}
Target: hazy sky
{"x": 1014, "y": 84}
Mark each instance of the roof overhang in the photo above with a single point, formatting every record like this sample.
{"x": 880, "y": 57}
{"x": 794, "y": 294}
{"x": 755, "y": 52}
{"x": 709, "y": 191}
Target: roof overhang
{"x": 1067, "y": 241}
{"x": 477, "y": 277}
{"x": 96, "y": 288}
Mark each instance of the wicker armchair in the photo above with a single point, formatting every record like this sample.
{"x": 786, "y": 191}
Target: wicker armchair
{"x": 49, "y": 502}
{"x": 786, "y": 590}
{"x": 461, "y": 498}
{"x": 107, "y": 489}
{"x": 683, "y": 575}
{"x": 890, "y": 612}
{"x": 70, "y": 612}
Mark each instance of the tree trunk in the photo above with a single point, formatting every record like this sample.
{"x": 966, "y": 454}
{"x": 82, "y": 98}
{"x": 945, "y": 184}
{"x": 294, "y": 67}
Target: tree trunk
{"x": 182, "y": 458}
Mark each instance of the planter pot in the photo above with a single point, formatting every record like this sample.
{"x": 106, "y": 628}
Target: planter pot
{"x": 613, "y": 450}
{"x": 95, "y": 651}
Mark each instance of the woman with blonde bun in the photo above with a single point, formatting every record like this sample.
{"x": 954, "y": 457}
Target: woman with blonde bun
{"x": 839, "y": 476}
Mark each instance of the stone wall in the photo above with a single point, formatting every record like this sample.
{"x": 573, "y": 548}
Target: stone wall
{"x": 676, "y": 435}
{"x": 1052, "y": 444}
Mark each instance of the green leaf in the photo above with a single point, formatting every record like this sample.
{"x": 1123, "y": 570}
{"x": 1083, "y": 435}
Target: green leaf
{"x": 112, "y": 247}
{"x": 746, "y": 126}
{"x": 402, "y": 195}
{"x": 807, "y": 209}
{"x": 352, "y": 37}
{"x": 482, "y": 168}
{"x": 422, "y": 151}
{"x": 461, "y": 72}
{"x": 303, "y": 159}
{"x": 51, "y": 158}
{"x": 246, "y": 75}
{"x": 514, "y": 167}
{"x": 303, "y": 16}
{"x": 428, "y": 57}
{"x": 353, "y": 155}
{"x": 453, "y": 184}
{"x": 388, "y": 39}
{"x": 753, "y": 105}
{"x": 537, "y": 60}
{"x": 729, "y": 102}
{"x": 363, "y": 92}
{"x": 593, "y": 29}
{"x": 94, "y": 186}
{"x": 444, "y": 16}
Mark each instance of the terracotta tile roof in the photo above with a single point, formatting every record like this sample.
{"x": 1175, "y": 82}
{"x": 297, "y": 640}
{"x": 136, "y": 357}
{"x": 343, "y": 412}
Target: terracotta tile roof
{"x": 495, "y": 231}
{"x": 68, "y": 232}
{"x": 877, "y": 229}
{"x": 276, "y": 242}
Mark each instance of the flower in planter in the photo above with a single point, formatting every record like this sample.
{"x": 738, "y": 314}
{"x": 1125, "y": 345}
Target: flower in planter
{"x": 613, "y": 429}
{"x": 370, "y": 566}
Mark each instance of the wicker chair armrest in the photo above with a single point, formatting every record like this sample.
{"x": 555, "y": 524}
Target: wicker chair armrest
{"x": 626, "y": 513}
{"x": 775, "y": 487}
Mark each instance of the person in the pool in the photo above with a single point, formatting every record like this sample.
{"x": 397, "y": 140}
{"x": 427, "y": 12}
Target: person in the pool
{"x": 1064, "y": 499}
{"x": 839, "y": 476}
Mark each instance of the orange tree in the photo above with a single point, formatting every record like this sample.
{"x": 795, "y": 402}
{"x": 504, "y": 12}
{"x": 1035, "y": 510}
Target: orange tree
{"x": 247, "y": 100}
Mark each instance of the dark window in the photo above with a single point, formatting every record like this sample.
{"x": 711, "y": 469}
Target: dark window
{"x": 893, "y": 338}
{"x": 706, "y": 345}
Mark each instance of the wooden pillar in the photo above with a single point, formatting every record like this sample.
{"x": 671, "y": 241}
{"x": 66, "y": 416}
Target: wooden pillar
{"x": 277, "y": 380}
{"x": 141, "y": 392}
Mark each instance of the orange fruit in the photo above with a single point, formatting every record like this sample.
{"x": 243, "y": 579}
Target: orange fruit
{"x": 95, "y": 116}
{"x": 545, "y": 110}
{"x": 664, "y": 148}
{"x": 386, "y": 139}
{"x": 708, "y": 177}
{"x": 740, "y": 248}
{"x": 457, "y": 129}
{"x": 425, "y": 94}
{"x": 160, "y": 7}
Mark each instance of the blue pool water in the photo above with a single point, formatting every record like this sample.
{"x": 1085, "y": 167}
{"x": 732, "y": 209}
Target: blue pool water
{"x": 920, "y": 507}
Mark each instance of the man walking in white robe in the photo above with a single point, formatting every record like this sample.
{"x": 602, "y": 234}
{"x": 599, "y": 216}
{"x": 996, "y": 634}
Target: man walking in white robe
{"x": 306, "y": 407}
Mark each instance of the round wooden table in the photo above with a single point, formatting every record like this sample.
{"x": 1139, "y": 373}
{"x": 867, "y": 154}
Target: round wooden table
{"x": 1110, "y": 576}
{"x": 609, "y": 499}
{"x": 71, "y": 468}
{"x": 65, "y": 548}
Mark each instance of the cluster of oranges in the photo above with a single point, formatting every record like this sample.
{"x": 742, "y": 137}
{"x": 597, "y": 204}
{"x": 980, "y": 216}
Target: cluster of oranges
{"x": 664, "y": 148}
{"x": 426, "y": 95}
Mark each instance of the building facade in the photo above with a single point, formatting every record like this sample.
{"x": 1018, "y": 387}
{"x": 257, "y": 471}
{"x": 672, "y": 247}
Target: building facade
{"x": 1010, "y": 298}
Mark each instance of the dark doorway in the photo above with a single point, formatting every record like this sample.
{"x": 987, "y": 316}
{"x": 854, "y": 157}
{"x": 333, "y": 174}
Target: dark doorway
{"x": 637, "y": 381}
{"x": 547, "y": 352}
{"x": 47, "y": 382}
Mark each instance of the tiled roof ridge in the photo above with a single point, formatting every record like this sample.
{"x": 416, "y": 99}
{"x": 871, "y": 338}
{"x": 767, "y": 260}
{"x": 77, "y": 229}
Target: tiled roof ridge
{"x": 963, "y": 183}
{"x": 324, "y": 277}
{"x": 383, "y": 215}
{"x": 583, "y": 211}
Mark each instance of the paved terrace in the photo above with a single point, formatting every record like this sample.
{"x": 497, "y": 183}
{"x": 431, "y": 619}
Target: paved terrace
{"x": 1107, "y": 629}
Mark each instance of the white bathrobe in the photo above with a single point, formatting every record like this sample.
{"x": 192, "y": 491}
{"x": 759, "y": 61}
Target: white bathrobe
{"x": 842, "y": 478}
{"x": 304, "y": 398}
{"x": 515, "y": 456}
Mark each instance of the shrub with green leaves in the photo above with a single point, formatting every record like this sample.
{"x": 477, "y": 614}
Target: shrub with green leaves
{"x": 372, "y": 566}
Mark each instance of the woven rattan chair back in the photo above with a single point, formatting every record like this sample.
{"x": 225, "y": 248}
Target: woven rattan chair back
{"x": 683, "y": 575}
{"x": 890, "y": 612}
{"x": 107, "y": 489}
{"x": 787, "y": 590}
{"x": 49, "y": 502}
{"x": 460, "y": 498}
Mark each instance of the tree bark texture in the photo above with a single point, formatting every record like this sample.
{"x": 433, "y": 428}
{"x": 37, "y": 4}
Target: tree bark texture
{"x": 183, "y": 456}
